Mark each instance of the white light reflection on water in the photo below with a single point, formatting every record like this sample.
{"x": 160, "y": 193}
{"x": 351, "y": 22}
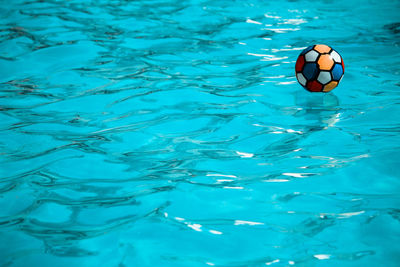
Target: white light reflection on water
{"x": 133, "y": 133}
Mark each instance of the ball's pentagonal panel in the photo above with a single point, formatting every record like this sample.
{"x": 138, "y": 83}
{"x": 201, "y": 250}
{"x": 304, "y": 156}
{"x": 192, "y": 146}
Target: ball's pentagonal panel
{"x": 337, "y": 72}
{"x": 324, "y": 77}
{"x": 314, "y": 86}
{"x": 330, "y": 86}
{"x": 336, "y": 57}
{"x": 310, "y": 71}
{"x": 325, "y": 62}
{"x": 300, "y": 63}
{"x": 319, "y": 68}
{"x": 301, "y": 79}
{"x": 322, "y": 48}
{"x": 306, "y": 50}
{"x": 311, "y": 56}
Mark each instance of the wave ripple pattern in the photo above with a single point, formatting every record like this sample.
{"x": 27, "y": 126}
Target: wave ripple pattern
{"x": 174, "y": 133}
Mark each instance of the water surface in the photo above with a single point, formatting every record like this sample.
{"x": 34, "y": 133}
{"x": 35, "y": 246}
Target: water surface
{"x": 174, "y": 133}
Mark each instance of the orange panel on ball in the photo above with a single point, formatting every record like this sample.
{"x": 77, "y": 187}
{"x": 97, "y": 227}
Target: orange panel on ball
{"x": 322, "y": 48}
{"x": 330, "y": 86}
{"x": 325, "y": 62}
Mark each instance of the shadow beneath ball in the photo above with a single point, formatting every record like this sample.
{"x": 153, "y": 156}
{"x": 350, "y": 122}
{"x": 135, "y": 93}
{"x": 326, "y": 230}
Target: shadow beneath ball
{"x": 321, "y": 109}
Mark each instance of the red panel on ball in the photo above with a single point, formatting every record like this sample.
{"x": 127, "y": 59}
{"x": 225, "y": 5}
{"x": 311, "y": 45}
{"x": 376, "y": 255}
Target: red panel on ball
{"x": 299, "y": 63}
{"x": 314, "y": 86}
{"x": 343, "y": 65}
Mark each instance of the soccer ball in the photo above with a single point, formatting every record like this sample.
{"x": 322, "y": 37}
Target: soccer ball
{"x": 319, "y": 68}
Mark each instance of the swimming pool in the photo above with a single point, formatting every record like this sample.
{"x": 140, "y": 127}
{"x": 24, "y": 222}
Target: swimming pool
{"x": 174, "y": 133}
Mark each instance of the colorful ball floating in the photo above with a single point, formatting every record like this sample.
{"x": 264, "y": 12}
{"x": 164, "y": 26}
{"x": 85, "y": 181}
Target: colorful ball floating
{"x": 319, "y": 68}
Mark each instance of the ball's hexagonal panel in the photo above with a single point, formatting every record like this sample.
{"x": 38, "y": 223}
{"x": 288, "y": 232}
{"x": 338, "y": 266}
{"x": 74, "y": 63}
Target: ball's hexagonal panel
{"x": 301, "y": 79}
{"x": 325, "y": 62}
{"x": 314, "y": 86}
{"x": 311, "y": 56}
{"x": 306, "y": 50}
{"x": 336, "y": 57}
{"x": 330, "y": 86}
{"x": 337, "y": 72}
{"x": 322, "y": 48}
{"x": 300, "y": 63}
{"x": 310, "y": 71}
{"x": 324, "y": 77}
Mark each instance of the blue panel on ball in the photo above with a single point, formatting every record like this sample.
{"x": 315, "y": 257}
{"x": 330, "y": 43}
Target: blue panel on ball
{"x": 310, "y": 71}
{"x": 337, "y": 72}
{"x": 307, "y": 49}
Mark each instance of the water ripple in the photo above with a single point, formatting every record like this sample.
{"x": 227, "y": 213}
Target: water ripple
{"x": 161, "y": 133}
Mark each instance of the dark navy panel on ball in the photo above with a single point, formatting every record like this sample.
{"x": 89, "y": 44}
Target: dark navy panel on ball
{"x": 310, "y": 71}
{"x": 307, "y": 49}
{"x": 337, "y": 72}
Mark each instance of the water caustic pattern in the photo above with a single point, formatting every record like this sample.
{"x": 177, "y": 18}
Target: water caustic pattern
{"x": 174, "y": 133}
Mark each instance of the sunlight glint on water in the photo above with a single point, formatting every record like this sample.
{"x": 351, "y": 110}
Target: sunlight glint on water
{"x": 174, "y": 133}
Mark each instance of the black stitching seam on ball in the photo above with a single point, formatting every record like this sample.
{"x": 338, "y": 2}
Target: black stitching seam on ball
{"x": 316, "y": 60}
{"x": 318, "y": 73}
{"x": 331, "y": 69}
{"x": 304, "y": 62}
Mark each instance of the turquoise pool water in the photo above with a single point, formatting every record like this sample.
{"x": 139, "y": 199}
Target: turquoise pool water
{"x": 174, "y": 133}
